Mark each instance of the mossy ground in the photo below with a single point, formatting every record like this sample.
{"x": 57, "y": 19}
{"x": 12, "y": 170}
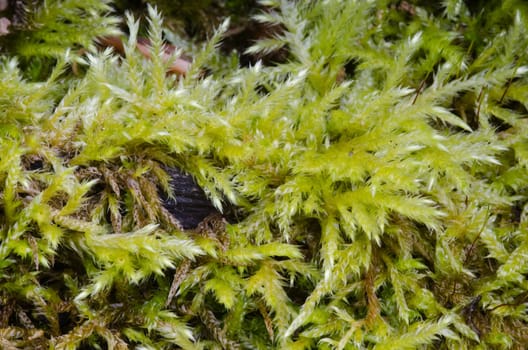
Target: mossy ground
{"x": 374, "y": 164}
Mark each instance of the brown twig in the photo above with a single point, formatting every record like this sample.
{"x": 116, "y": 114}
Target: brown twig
{"x": 419, "y": 90}
{"x": 373, "y": 304}
{"x": 179, "y": 275}
{"x": 479, "y": 100}
{"x": 267, "y": 319}
{"x": 469, "y": 251}
{"x": 178, "y": 65}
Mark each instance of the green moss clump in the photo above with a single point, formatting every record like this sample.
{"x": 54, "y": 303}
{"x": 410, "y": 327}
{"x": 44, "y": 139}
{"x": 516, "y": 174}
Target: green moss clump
{"x": 379, "y": 175}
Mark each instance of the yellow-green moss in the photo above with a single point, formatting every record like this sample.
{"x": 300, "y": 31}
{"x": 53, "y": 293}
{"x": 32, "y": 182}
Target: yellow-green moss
{"x": 379, "y": 177}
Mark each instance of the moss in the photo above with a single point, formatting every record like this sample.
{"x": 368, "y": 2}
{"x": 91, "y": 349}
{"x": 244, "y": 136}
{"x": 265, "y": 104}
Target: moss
{"x": 378, "y": 175}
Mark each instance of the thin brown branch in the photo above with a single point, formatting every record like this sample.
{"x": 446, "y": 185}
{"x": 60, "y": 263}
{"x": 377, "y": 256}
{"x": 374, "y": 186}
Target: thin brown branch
{"x": 419, "y": 90}
{"x": 479, "y": 100}
{"x": 179, "y": 276}
{"x": 373, "y": 305}
{"x": 267, "y": 319}
{"x": 177, "y": 65}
